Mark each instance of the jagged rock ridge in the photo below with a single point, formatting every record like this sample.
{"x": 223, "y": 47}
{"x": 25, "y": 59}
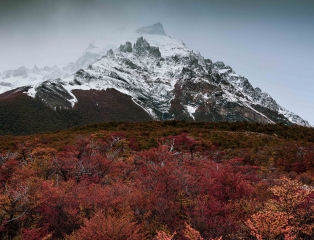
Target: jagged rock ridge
{"x": 168, "y": 81}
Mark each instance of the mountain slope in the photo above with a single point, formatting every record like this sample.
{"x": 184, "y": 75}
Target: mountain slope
{"x": 21, "y": 114}
{"x": 165, "y": 79}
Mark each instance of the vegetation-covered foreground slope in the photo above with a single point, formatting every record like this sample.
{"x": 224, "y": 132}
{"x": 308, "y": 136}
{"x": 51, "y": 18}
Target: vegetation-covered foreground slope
{"x": 159, "y": 180}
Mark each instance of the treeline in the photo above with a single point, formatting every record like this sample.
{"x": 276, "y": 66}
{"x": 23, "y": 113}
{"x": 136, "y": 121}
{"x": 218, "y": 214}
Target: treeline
{"x": 279, "y": 147}
{"x": 159, "y": 180}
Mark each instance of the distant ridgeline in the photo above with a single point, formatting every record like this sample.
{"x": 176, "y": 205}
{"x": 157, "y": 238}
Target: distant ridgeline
{"x": 133, "y": 76}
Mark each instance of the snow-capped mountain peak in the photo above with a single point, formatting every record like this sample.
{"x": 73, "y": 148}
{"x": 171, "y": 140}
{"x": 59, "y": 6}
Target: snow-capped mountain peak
{"x": 162, "y": 76}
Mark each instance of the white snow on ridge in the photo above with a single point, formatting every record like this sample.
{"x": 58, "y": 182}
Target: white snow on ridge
{"x": 22, "y": 76}
{"x": 191, "y": 110}
{"x": 167, "y": 46}
{"x": 234, "y": 75}
{"x": 31, "y": 92}
{"x": 19, "y": 82}
{"x": 254, "y": 96}
{"x": 149, "y": 78}
{"x": 221, "y": 71}
{"x": 293, "y": 117}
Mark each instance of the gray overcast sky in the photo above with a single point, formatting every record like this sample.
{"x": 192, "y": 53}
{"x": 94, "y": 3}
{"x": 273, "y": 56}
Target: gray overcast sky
{"x": 268, "y": 41}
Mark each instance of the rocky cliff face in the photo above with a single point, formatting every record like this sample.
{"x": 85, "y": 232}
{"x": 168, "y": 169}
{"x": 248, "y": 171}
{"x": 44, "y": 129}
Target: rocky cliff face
{"x": 166, "y": 80}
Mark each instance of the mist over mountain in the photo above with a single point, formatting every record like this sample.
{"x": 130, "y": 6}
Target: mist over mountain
{"x": 156, "y": 28}
{"x": 269, "y": 43}
{"x": 145, "y": 75}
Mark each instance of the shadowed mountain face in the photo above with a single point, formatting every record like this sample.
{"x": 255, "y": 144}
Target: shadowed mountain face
{"x": 107, "y": 105}
{"x": 148, "y": 77}
{"x": 21, "y": 114}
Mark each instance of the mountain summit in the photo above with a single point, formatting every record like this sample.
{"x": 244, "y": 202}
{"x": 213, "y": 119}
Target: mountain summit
{"x": 141, "y": 76}
{"x": 156, "y": 28}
